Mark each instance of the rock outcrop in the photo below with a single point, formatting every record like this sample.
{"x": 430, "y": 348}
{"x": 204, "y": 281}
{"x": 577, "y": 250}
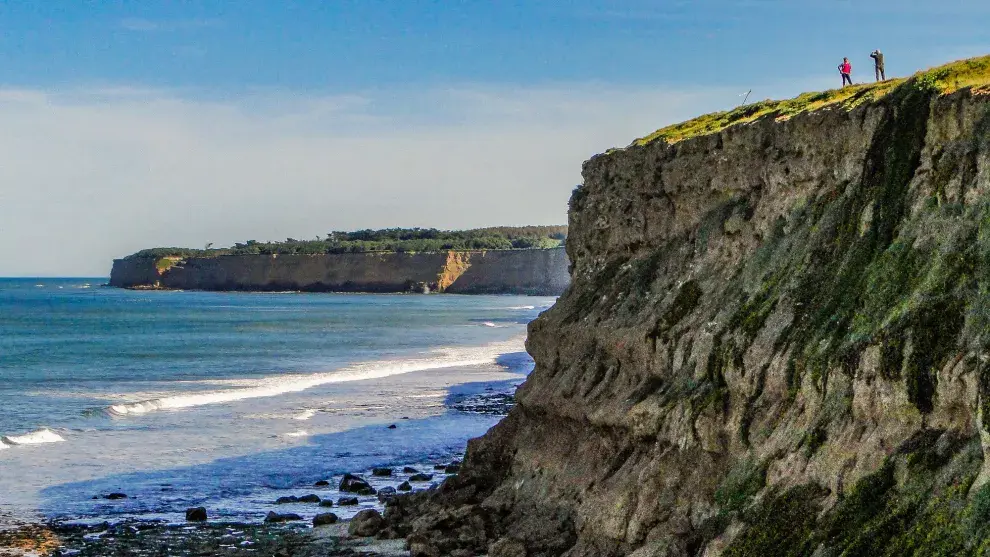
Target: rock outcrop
{"x": 521, "y": 271}
{"x": 773, "y": 344}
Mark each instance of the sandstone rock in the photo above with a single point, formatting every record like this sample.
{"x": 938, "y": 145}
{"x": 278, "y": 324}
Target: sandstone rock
{"x": 507, "y": 547}
{"x": 196, "y": 514}
{"x": 366, "y": 523}
{"x": 324, "y": 519}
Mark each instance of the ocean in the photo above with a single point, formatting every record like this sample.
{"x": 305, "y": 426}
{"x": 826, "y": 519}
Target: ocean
{"x": 230, "y": 400}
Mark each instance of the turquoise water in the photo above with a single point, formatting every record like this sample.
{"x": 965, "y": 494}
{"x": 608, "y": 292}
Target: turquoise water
{"x": 109, "y": 389}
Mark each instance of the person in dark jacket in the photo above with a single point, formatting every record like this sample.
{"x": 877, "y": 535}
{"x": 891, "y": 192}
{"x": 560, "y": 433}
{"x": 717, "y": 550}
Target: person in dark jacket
{"x": 846, "y": 69}
{"x": 878, "y": 65}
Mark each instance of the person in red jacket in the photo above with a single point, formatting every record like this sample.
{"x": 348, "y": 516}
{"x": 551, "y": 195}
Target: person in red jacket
{"x": 846, "y": 69}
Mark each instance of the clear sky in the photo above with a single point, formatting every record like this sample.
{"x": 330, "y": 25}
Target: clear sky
{"x": 131, "y": 124}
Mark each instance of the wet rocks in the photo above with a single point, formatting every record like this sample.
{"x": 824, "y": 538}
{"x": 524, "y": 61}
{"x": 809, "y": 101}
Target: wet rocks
{"x": 322, "y": 483}
{"x": 404, "y": 486}
{"x": 393, "y": 426}
{"x": 326, "y": 503}
{"x": 115, "y": 496}
{"x": 324, "y": 519}
{"x": 410, "y": 470}
{"x": 421, "y": 478}
{"x": 366, "y": 523}
{"x": 355, "y": 484}
{"x": 452, "y": 468}
{"x": 347, "y": 501}
{"x": 276, "y": 518}
{"x": 196, "y": 514}
{"x": 311, "y": 498}
{"x": 386, "y": 493}
{"x": 381, "y": 472}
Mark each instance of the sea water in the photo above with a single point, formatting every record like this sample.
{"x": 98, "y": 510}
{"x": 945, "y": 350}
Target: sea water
{"x": 230, "y": 399}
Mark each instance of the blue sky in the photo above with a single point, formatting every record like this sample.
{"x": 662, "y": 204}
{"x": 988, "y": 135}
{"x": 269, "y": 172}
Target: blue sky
{"x": 131, "y": 124}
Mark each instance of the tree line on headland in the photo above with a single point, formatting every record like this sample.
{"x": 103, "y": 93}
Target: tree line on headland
{"x": 386, "y": 240}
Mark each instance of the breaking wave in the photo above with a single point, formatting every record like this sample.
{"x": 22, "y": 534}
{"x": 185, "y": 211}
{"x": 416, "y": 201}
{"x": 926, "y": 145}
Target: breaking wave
{"x": 284, "y": 384}
{"x": 34, "y": 438}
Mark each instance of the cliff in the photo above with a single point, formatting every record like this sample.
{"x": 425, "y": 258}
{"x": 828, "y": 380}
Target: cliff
{"x": 773, "y": 344}
{"x": 536, "y": 271}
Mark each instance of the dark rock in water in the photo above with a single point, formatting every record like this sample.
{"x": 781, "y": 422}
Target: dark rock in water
{"x": 393, "y": 426}
{"x": 274, "y": 517}
{"x": 347, "y": 501}
{"x": 354, "y": 484}
{"x": 286, "y": 500}
{"x": 197, "y": 514}
{"x": 116, "y": 496}
{"x": 366, "y": 523}
{"x": 325, "y": 519}
{"x": 386, "y": 493}
{"x": 452, "y": 469}
{"x": 440, "y": 467}
{"x": 321, "y": 483}
{"x": 405, "y": 417}
{"x": 410, "y": 470}
{"x": 381, "y": 472}
{"x": 311, "y": 498}
{"x": 326, "y": 503}
{"x": 421, "y": 478}
{"x": 404, "y": 486}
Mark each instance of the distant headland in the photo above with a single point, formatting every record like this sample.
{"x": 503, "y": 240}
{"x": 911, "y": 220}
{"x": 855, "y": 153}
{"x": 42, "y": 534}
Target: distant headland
{"x": 497, "y": 260}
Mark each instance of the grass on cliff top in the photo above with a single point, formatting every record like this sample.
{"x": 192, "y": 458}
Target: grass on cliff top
{"x": 974, "y": 72}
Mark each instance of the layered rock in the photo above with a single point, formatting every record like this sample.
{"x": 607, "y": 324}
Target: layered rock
{"x": 534, "y": 271}
{"x": 773, "y": 344}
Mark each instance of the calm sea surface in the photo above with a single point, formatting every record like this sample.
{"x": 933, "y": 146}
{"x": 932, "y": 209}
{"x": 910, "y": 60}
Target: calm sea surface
{"x": 186, "y": 397}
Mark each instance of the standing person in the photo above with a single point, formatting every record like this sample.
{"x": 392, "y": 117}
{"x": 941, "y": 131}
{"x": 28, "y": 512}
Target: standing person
{"x": 878, "y": 65}
{"x": 846, "y": 69}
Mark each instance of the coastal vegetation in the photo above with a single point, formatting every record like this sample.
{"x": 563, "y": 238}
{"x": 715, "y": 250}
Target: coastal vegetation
{"x": 386, "y": 240}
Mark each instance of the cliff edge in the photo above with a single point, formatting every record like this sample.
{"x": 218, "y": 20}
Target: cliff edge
{"x": 519, "y": 271}
{"x": 773, "y": 344}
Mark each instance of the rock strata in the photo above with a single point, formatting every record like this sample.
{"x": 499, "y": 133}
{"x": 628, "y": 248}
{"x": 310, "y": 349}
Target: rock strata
{"x": 773, "y": 344}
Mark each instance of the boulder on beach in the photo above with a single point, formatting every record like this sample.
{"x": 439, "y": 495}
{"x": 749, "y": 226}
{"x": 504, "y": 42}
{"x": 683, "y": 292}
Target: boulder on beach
{"x": 196, "y": 514}
{"x": 410, "y": 470}
{"x": 274, "y": 517}
{"x": 115, "y": 496}
{"x": 311, "y": 498}
{"x": 421, "y": 478}
{"x": 381, "y": 472}
{"x": 326, "y": 503}
{"x": 347, "y": 501}
{"x": 386, "y": 493}
{"x": 325, "y": 519}
{"x": 322, "y": 483}
{"x": 404, "y": 486}
{"x": 355, "y": 484}
{"x": 366, "y": 523}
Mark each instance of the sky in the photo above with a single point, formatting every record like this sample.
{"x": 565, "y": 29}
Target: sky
{"x": 127, "y": 124}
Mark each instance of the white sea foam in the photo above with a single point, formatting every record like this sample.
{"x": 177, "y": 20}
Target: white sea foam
{"x": 34, "y": 438}
{"x": 279, "y": 385}
{"x": 300, "y": 433}
{"x": 521, "y": 307}
{"x": 305, "y": 415}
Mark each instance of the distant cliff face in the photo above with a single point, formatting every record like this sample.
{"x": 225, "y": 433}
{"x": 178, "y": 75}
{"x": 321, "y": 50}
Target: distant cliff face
{"x": 538, "y": 272}
{"x": 774, "y": 344}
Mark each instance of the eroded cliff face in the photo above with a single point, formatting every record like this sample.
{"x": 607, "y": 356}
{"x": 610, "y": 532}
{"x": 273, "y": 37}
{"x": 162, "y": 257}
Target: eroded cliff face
{"x": 537, "y": 272}
{"x": 773, "y": 344}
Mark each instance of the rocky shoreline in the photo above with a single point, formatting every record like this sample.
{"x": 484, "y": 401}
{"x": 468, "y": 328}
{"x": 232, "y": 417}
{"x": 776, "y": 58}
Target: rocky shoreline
{"x": 339, "y": 515}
